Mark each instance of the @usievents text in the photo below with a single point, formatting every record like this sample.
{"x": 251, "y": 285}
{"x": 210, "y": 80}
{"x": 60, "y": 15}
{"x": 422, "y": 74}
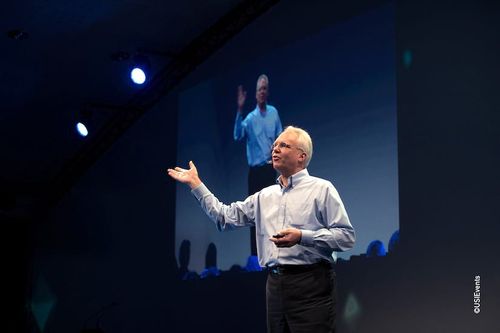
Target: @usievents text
{"x": 477, "y": 294}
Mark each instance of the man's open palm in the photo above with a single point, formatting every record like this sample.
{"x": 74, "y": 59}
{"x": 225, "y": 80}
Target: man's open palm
{"x": 186, "y": 176}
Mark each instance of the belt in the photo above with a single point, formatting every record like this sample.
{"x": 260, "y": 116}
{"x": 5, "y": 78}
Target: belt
{"x": 294, "y": 269}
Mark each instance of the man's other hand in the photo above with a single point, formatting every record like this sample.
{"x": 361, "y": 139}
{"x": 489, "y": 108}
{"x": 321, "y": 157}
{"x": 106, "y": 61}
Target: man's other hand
{"x": 287, "y": 237}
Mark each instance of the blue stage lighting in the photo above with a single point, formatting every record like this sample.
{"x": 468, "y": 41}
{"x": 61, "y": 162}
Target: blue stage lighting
{"x": 140, "y": 68}
{"x": 137, "y": 75}
{"x": 82, "y": 129}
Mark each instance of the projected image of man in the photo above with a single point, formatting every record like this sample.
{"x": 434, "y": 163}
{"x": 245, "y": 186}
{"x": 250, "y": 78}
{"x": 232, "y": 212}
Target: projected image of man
{"x": 299, "y": 222}
{"x": 259, "y": 129}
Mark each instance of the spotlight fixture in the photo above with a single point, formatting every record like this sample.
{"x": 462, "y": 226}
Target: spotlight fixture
{"x": 82, "y": 129}
{"x": 83, "y": 122}
{"x": 140, "y": 69}
{"x": 138, "y": 75}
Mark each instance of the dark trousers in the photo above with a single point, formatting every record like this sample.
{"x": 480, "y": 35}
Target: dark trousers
{"x": 258, "y": 178}
{"x": 301, "y": 302}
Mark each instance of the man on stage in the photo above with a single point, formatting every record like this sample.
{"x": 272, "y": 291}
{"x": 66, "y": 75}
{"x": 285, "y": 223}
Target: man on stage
{"x": 299, "y": 222}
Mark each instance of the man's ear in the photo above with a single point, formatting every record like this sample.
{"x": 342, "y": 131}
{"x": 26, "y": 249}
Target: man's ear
{"x": 303, "y": 157}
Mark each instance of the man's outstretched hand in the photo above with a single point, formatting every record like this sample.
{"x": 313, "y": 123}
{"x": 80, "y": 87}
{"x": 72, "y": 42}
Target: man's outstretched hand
{"x": 189, "y": 177}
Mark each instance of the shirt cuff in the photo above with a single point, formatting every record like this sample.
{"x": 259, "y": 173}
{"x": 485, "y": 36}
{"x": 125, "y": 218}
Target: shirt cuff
{"x": 200, "y": 191}
{"x": 307, "y": 238}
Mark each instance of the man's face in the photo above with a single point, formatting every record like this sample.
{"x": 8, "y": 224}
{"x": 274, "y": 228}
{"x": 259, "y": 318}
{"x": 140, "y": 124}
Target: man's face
{"x": 262, "y": 92}
{"x": 287, "y": 157}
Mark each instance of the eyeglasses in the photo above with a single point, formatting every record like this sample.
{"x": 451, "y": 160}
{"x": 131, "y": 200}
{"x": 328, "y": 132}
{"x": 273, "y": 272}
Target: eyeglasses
{"x": 282, "y": 145}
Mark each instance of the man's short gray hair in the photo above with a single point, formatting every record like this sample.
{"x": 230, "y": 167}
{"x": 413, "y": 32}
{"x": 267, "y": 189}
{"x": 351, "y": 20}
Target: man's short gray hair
{"x": 263, "y": 77}
{"x": 304, "y": 141}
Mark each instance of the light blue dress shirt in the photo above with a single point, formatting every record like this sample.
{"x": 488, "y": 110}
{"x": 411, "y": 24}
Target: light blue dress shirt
{"x": 308, "y": 203}
{"x": 260, "y": 130}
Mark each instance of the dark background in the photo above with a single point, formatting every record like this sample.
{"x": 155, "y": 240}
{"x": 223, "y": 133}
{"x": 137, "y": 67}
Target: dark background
{"x": 447, "y": 105}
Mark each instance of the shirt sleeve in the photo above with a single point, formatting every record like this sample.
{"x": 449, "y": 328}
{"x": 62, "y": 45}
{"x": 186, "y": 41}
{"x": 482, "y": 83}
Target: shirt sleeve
{"x": 338, "y": 235}
{"x": 226, "y": 217}
{"x": 239, "y": 127}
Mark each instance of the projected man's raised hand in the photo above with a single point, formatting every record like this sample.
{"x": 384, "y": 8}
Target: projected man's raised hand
{"x": 242, "y": 96}
{"x": 186, "y": 176}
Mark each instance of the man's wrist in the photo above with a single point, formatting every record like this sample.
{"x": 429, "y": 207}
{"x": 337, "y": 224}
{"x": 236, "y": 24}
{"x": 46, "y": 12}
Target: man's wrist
{"x": 195, "y": 183}
{"x": 306, "y": 237}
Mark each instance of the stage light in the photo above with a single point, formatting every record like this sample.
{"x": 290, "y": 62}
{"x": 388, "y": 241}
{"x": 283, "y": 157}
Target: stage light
{"x": 84, "y": 121}
{"x": 82, "y": 129}
{"x": 137, "y": 75}
{"x": 139, "y": 72}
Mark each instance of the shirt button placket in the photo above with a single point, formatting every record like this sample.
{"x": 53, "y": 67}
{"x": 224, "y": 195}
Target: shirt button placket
{"x": 283, "y": 208}
{"x": 281, "y": 216}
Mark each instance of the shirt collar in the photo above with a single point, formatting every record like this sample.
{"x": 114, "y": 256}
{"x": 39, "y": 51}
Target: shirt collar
{"x": 294, "y": 179}
{"x": 257, "y": 109}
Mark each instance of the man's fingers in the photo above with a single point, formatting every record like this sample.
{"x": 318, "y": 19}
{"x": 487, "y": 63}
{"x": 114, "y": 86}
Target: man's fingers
{"x": 173, "y": 174}
{"x": 288, "y": 238}
{"x": 279, "y": 241}
{"x": 284, "y": 244}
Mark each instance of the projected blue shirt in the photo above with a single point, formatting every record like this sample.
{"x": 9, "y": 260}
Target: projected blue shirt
{"x": 308, "y": 203}
{"x": 260, "y": 130}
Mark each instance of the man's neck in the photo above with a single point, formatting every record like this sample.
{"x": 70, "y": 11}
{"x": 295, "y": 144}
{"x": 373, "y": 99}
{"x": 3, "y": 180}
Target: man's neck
{"x": 284, "y": 177}
{"x": 262, "y": 107}
{"x": 283, "y": 180}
